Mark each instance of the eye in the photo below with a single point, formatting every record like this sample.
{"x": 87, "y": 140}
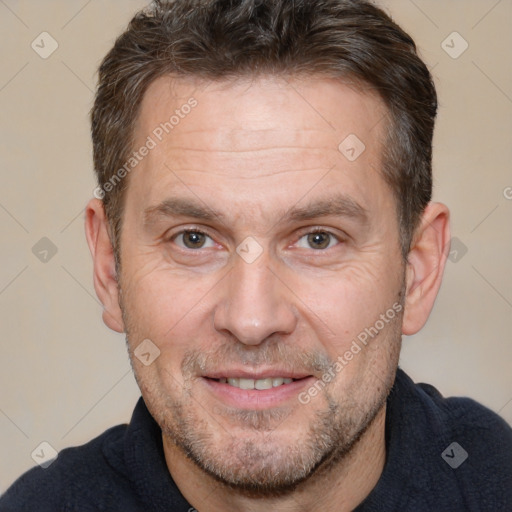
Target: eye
{"x": 318, "y": 240}
{"x": 193, "y": 239}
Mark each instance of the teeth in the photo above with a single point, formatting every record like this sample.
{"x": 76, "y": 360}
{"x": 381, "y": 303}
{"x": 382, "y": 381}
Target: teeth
{"x": 271, "y": 382}
{"x": 263, "y": 383}
{"x": 246, "y": 383}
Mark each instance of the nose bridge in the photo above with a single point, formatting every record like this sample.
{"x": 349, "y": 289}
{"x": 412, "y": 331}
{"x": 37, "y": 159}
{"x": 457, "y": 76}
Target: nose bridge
{"x": 254, "y": 304}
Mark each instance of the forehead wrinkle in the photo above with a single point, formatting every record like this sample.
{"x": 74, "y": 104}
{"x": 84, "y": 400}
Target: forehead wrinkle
{"x": 300, "y": 135}
{"x": 252, "y": 165}
{"x": 251, "y": 150}
{"x": 221, "y": 140}
{"x": 260, "y": 175}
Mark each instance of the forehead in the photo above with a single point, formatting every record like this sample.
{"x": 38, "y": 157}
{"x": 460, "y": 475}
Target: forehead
{"x": 262, "y": 137}
{"x": 314, "y": 105}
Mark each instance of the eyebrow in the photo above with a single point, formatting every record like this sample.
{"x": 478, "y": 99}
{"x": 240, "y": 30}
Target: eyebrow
{"x": 179, "y": 207}
{"x": 339, "y": 205}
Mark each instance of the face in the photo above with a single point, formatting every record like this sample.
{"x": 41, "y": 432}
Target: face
{"x": 263, "y": 264}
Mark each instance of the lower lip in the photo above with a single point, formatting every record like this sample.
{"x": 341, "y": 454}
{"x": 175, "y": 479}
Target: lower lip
{"x": 257, "y": 399}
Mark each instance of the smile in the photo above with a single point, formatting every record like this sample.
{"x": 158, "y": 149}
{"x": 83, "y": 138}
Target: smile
{"x": 268, "y": 383}
{"x": 256, "y": 391}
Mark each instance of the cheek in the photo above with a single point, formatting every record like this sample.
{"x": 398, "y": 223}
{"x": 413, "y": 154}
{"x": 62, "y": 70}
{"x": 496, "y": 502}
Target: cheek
{"x": 164, "y": 306}
{"x": 167, "y": 312}
{"x": 348, "y": 303}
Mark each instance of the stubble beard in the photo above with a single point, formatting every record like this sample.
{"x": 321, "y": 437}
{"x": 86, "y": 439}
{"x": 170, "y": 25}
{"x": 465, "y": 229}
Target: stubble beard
{"x": 262, "y": 465}
{"x": 262, "y": 462}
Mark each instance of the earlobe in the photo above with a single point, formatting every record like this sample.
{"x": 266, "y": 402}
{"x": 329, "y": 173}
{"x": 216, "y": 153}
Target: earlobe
{"x": 425, "y": 267}
{"x": 105, "y": 279}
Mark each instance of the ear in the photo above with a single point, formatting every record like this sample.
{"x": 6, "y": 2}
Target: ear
{"x": 105, "y": 278}
{"x": 425, "y": 266}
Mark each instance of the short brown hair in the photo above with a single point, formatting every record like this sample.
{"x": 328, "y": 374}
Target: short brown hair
{"x": 226, "y": 39}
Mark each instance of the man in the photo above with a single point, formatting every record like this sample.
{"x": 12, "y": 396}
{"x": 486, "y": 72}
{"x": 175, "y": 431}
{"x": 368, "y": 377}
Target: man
{"x": 263, "y": 233}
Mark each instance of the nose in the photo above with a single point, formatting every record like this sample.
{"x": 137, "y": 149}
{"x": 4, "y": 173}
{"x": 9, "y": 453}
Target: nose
{"x": 255, "y": 303}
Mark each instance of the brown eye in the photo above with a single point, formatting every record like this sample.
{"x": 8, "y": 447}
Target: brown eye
{"x": 193, "y": 240}
{"x": 320, "y": 240}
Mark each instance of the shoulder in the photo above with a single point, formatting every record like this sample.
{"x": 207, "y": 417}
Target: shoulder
{"x": 468, "y": 419}
{"x": 424, "y": 403}
{"x": 74, "y": 476}
{"x": 465, "y": 449}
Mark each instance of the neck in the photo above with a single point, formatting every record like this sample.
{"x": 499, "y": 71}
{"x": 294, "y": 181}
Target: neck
{"x": 341, "y": 487}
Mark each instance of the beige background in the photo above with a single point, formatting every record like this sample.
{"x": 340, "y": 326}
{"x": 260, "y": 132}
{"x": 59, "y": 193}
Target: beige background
{"x": 65, "y": 378}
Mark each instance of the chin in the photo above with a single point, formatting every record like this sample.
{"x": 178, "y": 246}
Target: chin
{"x": 270, "y": 453}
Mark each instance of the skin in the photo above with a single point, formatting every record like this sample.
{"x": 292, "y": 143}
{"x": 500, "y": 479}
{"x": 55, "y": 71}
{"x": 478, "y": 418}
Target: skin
{"x": 253, "y": 151}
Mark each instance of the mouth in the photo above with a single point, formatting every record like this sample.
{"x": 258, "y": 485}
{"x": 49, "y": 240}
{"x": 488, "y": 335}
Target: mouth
{"x": 245, "y": 391}
{"x": 260, "y": 384}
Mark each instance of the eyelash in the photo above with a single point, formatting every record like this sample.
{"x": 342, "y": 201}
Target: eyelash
{"x": 302, "y": 235}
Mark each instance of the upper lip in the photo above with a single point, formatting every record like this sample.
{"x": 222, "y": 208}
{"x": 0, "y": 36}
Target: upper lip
{"x": 256, "y": 375}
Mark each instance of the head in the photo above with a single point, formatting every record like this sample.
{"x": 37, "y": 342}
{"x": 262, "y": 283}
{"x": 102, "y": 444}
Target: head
{"x": 264, "y": 171}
